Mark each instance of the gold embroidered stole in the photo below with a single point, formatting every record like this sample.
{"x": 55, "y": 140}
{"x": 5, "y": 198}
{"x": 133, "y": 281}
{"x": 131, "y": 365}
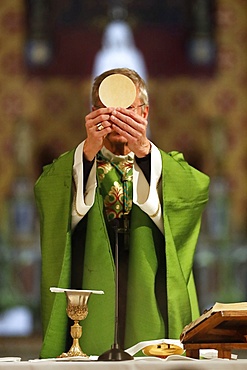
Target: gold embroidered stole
{"x": 115, "y": 182}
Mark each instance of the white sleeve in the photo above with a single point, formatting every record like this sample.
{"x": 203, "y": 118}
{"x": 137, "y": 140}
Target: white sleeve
{"x": 83, "y": 198}
{"x": 146, "y": 196}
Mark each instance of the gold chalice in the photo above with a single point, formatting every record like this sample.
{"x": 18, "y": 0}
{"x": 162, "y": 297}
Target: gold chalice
{"x": 77, "y": 310}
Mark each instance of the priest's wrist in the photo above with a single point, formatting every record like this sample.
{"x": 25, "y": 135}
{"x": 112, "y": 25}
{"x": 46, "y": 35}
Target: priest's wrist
{"x": 145, "y": 152}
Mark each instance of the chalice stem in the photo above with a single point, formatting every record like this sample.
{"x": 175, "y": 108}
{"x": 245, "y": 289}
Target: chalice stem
{"x": 76, "y": 333}
{"x": 75, "y": 349}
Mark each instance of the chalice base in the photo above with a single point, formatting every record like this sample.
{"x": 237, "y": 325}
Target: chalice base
{"x": 74, "y": 351}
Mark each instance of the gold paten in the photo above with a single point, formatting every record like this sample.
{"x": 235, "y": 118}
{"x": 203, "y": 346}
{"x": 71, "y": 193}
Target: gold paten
{"x": 162, "y": 350}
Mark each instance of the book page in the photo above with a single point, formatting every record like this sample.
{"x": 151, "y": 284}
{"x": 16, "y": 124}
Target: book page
{"x": 239, "y": 306}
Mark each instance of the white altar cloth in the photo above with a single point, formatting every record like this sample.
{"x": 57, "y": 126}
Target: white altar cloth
{"x": 137, "y": 364}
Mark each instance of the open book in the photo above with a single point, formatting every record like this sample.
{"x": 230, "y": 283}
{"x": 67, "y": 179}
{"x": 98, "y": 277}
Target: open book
{"x": 239, "y": 307}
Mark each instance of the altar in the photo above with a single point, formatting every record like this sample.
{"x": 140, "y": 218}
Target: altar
{"x": 137, "y": 364}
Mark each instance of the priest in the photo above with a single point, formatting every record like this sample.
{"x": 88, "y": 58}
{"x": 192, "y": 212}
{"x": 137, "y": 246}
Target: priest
{"x": 117, "y": 176}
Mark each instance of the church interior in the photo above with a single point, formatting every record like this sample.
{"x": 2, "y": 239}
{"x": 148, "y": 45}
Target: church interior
{"x": 193, "y": 55}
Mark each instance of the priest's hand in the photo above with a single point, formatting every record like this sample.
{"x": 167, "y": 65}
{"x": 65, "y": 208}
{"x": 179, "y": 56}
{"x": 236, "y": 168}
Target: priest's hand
{"x": 98, "y": 125}
{"x": 132, "y": 126}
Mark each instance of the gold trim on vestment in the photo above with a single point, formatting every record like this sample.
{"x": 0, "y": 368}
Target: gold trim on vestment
{"x": 155, "y": 214}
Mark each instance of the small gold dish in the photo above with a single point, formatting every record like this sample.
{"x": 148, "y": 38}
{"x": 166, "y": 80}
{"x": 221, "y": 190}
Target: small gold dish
{"x": 162, "y": 350}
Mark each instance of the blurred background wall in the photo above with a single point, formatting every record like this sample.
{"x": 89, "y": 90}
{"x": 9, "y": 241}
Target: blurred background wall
{"x": 195, "y": 55}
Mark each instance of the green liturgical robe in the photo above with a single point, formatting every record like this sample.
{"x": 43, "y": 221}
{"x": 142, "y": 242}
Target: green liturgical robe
{"x": 184, "y": 193}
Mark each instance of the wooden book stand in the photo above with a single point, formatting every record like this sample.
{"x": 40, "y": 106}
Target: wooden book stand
{"x": 223, "y": 330}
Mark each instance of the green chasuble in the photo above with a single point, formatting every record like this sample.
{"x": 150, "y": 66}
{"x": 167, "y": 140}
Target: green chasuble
{"x": 185, "y": 193}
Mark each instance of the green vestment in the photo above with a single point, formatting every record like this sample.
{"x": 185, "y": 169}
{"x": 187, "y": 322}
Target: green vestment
{"x": 185, "y": 193}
